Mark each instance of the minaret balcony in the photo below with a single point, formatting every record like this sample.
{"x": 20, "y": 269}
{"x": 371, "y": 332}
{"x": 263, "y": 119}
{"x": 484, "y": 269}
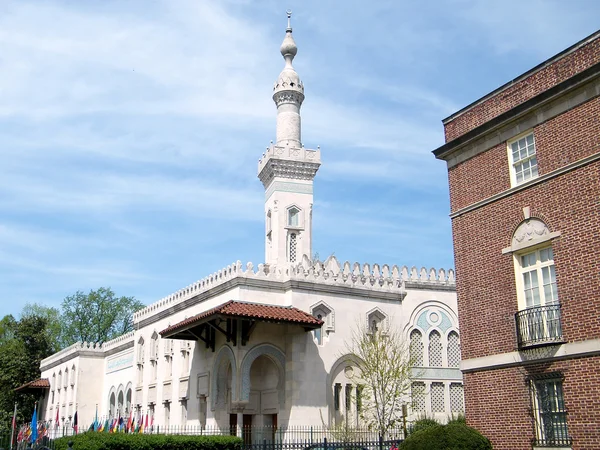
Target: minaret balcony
{"x": 288, "y": 162}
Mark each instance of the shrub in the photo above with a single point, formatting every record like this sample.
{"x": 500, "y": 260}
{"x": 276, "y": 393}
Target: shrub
{"x": 454, "y": 436}
{"x": 422, "y": 424}
{"x": 122, "y": 441}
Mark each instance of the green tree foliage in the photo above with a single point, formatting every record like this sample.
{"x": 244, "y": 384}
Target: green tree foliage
{"x": 454, "y": 436}
{"x": 97, "y": 316}
{"x": 385, "y": 375}
{"x": 22, "y": 346}
{"x": 53, "y": 327}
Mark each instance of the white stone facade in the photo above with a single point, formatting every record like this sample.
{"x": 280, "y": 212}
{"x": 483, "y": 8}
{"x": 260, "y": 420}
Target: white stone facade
{"x": 269, "y": 373}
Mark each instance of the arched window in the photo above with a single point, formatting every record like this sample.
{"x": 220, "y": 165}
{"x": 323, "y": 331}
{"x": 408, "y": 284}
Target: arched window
{"x": 416, "y": 348}
{"x": 453, "y": 349}
{"x": 112, "y": 404}
{"x": 323, "y": 312}
{"x": 66, "y": 378}
{"x": 73, "y": 375}
{"x": 293, "y": 217}
{"x": 435, "y": 349}
{"x": 128, "y": 401}
{"x": 268, "y": 222}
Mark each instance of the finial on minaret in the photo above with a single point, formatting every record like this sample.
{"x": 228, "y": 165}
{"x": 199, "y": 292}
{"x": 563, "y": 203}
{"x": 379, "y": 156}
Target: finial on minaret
{"x": 289, "y": 16}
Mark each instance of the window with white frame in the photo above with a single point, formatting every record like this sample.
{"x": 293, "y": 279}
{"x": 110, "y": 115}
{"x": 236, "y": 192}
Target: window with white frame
{"x": 549, "y": 411}
{"x": 536, "y": 278}
{"x": 523, "y": 159}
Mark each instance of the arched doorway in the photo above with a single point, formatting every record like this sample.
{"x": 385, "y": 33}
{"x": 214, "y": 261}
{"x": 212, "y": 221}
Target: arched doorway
{"x": 262, "y": 391}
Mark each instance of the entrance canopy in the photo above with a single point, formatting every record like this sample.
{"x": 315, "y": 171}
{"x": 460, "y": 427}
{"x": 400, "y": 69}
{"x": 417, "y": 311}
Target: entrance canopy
{"x": 236, "y": 321}
{"x": 40, "y": 383}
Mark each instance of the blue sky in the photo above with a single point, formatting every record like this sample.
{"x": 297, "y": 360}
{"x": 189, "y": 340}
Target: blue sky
{"x": 131, "y": 130}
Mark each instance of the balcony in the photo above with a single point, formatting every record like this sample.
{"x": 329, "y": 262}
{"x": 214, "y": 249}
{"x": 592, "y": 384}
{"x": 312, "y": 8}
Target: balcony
{"x": 538, "y": 326}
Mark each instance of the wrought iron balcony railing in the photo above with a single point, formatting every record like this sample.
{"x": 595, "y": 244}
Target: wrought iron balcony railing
{"x": 539, "y": 325}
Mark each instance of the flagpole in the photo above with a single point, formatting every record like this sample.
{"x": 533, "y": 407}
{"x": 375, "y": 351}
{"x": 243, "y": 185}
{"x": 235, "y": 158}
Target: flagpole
{"x": 12, "y": 431}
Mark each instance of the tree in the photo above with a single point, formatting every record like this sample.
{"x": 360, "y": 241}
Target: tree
{"x": 385, "y": 374}
{"x": 98, "y": 316}
{"x": 53, "y": 327}
{"x": 20, "y": 355}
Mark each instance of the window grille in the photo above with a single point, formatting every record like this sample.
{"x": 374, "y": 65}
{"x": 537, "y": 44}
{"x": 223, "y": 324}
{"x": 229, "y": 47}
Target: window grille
{"x": 293, "y": 247}
{"x": 435, "y": 349}
{"x": 418, "y": 396}
{"x": 348, "y": 395}
{"x": 550, "y": 412}
{"x": 416, "y": 348}
{"x": 437, "y": 397}
{"x": 453, "y": 349}
{"x": 457, "y": 402}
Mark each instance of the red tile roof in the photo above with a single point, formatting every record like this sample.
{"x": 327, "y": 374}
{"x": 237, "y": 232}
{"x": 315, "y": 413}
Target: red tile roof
{"x": 254, "y": 311}
{"x": 40, "y": 383}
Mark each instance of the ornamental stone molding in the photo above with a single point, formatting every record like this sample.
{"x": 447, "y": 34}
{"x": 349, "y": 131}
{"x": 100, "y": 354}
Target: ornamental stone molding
{"x": 383, "y": 279}
{"x": 529, "y": 230}
{"x": 278, "y": 358}
{"x": 219, "y": 380}
{"x": 282, "y": 97}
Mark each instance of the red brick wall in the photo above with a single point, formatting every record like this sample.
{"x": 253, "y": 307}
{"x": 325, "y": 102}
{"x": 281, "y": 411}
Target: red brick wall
{"x": 560, "y": 141}
{"x": 504, "y": 415}
{"x": 522, "y": 91}
{"x": 487, "y": 299}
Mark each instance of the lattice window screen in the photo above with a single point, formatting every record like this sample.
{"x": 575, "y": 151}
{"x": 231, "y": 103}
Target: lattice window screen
{"x": 437, "y": 397}
{"x": 435, "y": 349}
{"x": 418, "y": 396}
{"x": 293, "y": 247}
{"x": 453, "y": 349}
{"x": 457, "y": 402}
{"x": 416, "y": 348}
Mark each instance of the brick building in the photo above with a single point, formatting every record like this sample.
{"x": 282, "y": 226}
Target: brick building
{"x": 524, "y": 173}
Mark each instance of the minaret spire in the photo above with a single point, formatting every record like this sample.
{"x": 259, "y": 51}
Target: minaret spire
{"x": 288, "y": 93}
{"x": 287, "y": 169}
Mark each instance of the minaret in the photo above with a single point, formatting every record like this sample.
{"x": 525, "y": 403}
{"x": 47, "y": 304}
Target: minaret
{"x": 287, "y": 170}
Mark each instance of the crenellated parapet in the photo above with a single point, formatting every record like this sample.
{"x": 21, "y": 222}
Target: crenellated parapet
{"x": 118, "y": 341}
{"x": 375, "y": 277}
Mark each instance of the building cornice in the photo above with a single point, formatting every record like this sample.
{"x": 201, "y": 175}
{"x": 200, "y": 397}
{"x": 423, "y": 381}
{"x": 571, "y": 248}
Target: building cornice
{"x": 584, "y": 86}
{"x": 533, "y": 182}
{"x": 538, "y": 355}
{"x": 525, "y": 75}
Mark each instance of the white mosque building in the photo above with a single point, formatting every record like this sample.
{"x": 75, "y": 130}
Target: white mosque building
{"x": 265, "y": 344}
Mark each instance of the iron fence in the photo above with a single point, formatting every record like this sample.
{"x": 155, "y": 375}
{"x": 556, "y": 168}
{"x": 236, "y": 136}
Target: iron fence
{"x": 254, "y": 437}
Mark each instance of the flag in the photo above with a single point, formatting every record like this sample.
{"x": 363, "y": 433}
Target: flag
{"x": 106, "y": 426}
{"x": 13, "y": 427}
{"x": 34, "y": 431}
{"x": 75, "y": 422}
{"x": 129, "y": 424}
{"x": 96, "y": 420}
{"x": 146, "y": 424}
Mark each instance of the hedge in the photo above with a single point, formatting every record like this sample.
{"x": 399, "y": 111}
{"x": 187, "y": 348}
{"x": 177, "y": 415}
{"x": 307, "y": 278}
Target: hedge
{"x": 454, "y": 436}
{"x": 122, "y": 441}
